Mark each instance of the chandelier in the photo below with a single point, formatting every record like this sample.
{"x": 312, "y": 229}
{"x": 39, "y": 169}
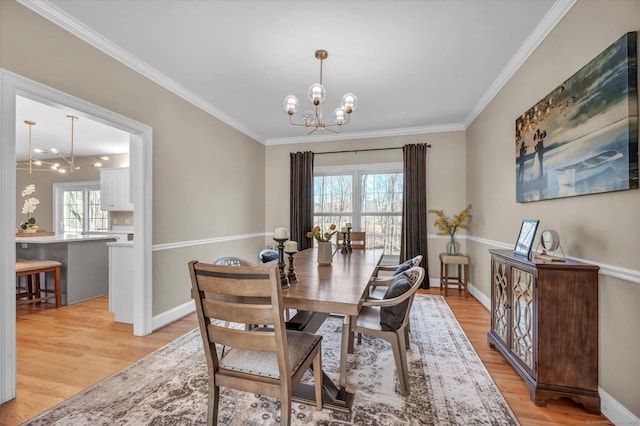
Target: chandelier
{"x": 55, "y": 161}
{"x": 312, "y": 118}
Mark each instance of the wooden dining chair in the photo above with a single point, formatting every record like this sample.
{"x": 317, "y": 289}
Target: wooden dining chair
{"x": 387, "y": 319}
{"x": 266, "y": 361}
{"x": 358, "y": 240}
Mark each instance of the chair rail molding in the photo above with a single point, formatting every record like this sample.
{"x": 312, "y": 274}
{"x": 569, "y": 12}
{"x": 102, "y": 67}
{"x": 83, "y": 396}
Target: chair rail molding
{"x": 215, "y": 240}
{"x": 607, "y": 270}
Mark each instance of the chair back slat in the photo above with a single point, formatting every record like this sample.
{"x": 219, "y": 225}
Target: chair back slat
{"x": 256, "y": 339}
{"x": 233, "y": 280}
{"x": 238, "y": 311}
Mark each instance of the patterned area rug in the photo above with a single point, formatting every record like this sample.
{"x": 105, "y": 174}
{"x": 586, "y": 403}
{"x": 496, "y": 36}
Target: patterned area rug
{"x": 449, "y": 384}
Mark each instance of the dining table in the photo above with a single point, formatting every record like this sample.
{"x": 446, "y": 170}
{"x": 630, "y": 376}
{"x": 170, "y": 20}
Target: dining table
{"x": 322, "y": 290}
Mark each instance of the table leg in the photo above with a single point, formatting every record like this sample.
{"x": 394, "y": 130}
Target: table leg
{"x": 332, "y": 396}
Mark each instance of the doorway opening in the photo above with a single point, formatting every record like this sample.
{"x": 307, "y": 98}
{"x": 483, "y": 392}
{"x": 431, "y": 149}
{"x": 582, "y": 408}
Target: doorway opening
{"x": 140, "y": 142}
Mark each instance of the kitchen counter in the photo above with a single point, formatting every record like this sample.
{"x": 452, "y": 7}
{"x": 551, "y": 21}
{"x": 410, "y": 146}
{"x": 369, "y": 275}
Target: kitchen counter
{"x": 85, "y": 262}
{"x": 62, "y": 238}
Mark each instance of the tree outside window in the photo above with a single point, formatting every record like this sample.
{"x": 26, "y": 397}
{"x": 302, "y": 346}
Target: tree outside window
{"x": 77, "y": 208}
{"x": 368, "y": 197}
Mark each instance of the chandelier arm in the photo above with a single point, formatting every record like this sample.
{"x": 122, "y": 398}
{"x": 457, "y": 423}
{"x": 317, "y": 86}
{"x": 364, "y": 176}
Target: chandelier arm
{"x": 299, "y": 124}
{"x": 62, "y": 156}
{"x": 73, "y": 119}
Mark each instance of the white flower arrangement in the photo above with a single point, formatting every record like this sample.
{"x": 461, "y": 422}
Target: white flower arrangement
{"x": 30, "y": 204}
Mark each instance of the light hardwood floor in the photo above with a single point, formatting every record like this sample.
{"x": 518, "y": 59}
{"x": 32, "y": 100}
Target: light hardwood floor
{"x": 63, "y": 351}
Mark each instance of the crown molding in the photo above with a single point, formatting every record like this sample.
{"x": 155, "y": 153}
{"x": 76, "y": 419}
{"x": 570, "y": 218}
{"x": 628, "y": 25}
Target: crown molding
{"x": 542, "y": 30}
{"x": 62, "y": 19}
{"x": 453, "y": 127}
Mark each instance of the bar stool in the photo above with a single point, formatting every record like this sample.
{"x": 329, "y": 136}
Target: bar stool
{"x": 31, "y": 269}
{"x": 461, "y": 279}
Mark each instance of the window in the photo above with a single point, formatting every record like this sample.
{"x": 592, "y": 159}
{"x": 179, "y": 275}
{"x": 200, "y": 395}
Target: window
{"x": 77, "y": 208}
{"x": 368, "y": 196}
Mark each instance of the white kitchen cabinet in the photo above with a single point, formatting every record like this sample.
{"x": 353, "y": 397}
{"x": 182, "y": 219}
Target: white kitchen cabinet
{"x": 121, "y": 281}
{"x": 115, "y": 189}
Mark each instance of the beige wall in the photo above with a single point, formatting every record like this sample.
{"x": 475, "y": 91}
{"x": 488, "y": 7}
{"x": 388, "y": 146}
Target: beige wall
{"x": 445, "y": 174}
{"x": 599, "y": 228}
{"x": 205, "y": 174}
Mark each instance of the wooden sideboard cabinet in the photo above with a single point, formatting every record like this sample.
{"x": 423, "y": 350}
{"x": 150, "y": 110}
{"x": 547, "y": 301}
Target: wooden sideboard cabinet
{"x": 544, "y": 321}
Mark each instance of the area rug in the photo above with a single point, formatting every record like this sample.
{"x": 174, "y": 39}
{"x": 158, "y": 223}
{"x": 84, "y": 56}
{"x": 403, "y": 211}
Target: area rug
{"x": 449, "y": 384}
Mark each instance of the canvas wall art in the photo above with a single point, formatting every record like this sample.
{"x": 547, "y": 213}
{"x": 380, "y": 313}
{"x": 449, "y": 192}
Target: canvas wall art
{"x": 582, "y": 138}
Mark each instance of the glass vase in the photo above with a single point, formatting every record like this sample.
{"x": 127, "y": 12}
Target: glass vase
{"x": 453, "y": 248}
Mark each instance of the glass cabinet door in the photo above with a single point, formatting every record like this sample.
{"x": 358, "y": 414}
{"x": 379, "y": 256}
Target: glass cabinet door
{"x": 522, "y": 315}
{"x": 499, "y": 316}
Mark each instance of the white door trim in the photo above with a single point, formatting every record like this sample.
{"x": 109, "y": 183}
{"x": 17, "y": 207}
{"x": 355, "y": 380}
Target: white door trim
{"x": 140, "y": 160}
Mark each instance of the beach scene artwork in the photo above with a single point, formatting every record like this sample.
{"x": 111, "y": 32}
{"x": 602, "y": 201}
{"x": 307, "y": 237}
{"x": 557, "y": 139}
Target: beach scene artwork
{"x": 582, "y": 138}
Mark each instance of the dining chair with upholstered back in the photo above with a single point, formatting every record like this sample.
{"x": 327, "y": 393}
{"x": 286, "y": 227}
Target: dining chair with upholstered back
{"x": 384, "y": 276}
{"x": 232, "y": 261}
{"x": 266, "y": 361}
{"x": 358, "y": 240}
{"x": 387, "y": 319}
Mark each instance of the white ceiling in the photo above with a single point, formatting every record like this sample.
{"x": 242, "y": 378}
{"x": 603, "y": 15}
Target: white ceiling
{"x": 416, "y": 66}
{"x": 53, "y": 130}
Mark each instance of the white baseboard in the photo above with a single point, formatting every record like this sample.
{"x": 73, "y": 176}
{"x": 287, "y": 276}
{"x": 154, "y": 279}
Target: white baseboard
{"x": 174, "y": 314}
{"x": 480, "y": 297}
{"x": 616, "y": 412}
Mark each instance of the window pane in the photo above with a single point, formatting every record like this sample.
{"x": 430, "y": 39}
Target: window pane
{"x": 332, "y": 194}
{"x": 381, "y": 192}
{"x": 383, "y": 231}
{"x": 73, "y": 211}
{"x": 98, "y": 219}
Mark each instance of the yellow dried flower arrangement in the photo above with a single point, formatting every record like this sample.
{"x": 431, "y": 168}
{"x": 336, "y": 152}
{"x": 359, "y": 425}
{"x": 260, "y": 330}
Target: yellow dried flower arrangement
{"x": 449, "y": 226}
{"x": 316, "y": 233}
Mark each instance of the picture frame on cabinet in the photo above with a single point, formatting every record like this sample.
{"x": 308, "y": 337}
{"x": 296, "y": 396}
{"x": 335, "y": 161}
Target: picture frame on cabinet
{"x": 526, "y": 236}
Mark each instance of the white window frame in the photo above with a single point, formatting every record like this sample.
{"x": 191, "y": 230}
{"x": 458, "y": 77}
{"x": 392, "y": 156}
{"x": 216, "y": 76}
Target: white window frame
{"x": 58, "y": 202}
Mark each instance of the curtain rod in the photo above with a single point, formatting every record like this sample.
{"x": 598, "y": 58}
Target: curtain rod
{"x": 355, "y": 151}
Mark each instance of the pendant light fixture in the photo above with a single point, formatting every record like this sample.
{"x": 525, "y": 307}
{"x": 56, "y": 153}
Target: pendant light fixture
{"x": 312, "y": 118}
{"x": 61, "y": 162}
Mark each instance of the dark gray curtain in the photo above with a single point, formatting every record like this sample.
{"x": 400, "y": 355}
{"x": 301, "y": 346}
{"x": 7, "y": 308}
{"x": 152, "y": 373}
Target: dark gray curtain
{"x": 414, "y": 209}
{"x": 301, "y": 217}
